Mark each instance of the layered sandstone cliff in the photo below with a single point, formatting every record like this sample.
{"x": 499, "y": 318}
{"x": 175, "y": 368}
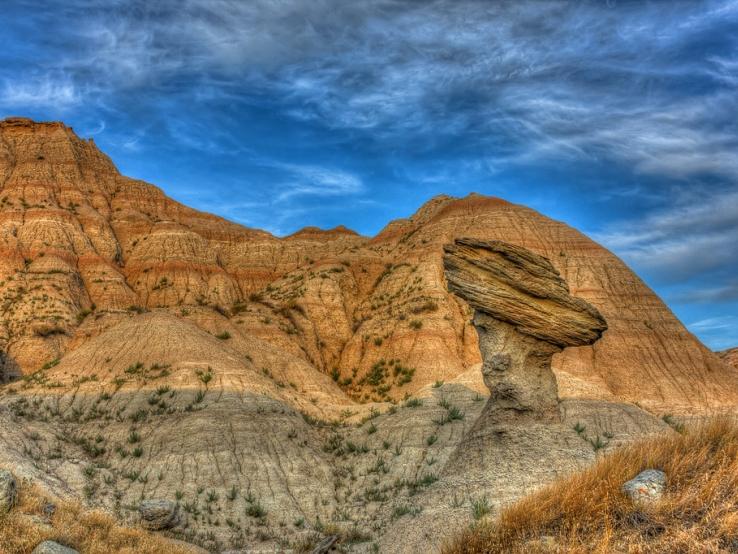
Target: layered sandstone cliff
{"x": 80, "y": 242}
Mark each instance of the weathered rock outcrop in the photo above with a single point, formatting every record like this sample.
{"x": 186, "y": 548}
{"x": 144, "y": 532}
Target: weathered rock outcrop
{"x": 51, "y": 547}
{"x": 8, "y": 491}
{"x": 157, "y": 514}
{"x": 524, "y": 314}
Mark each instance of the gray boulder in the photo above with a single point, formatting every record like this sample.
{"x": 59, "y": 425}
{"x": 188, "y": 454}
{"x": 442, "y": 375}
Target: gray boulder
{"x": 647, "y": 486}
{"x": 51, "y": 547}
{"x": 8, "y": 491}
{"x": 158, "y": 514}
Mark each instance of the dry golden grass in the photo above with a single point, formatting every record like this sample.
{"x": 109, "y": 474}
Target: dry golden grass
{"x": 90, "y": 532}
{"x": 588, "y": 512}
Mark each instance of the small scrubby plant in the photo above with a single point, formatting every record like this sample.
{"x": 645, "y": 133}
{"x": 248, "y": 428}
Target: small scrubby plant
{"x": 480, "y": 507}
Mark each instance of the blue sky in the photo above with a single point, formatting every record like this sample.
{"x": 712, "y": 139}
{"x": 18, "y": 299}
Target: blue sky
{"x": 620, "y": 118}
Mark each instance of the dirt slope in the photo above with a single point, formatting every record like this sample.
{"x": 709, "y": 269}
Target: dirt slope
{"x": 730, "y": 356}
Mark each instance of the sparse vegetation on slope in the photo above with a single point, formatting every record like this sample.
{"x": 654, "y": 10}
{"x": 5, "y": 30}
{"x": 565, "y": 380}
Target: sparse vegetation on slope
{"x": 588, "y": 512}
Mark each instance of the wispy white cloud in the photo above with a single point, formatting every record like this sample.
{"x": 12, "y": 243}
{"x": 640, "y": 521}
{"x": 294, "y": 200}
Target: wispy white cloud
{"x": 289, "y": 185}
{"x": 697, "y": 235}
{"x": 41, "y": 91}
{"x": 714, "y": 323}
{"x": 720, "y": 331}
{"x": 96, "y": 130}
{"x": 558, "y": 82}
{"x": 530, "y": 81}
{"x": 317, "y": 181}
{"x": 720, "y": 294}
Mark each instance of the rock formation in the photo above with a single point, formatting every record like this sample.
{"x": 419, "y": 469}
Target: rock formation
{"x": 51, "y": 547}
{"x": 524, "y": 314}
{"x": 154, "y": 351}
{"x": 8, "y": 491}
{"x": 157, "y": 514}
{"x": 82, "y": 244}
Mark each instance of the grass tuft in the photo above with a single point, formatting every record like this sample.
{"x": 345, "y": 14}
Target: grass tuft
{"x": 91, "y": 532}
{"x": 588, "y": 512}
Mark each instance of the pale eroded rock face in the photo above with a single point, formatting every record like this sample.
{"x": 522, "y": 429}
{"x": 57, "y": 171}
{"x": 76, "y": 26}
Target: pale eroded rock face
{"x": 524, "y": 314}
{"x": 76, "y": 235}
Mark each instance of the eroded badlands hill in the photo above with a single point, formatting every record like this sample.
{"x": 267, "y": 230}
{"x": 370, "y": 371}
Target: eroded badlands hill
{"x": 84, "y": 247}
{"x": 730, "y": 356}
{"x": 275, "y": 387}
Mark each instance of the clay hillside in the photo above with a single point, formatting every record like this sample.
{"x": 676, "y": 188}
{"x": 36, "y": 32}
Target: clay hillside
{"x": 730, "y": 356}
{"x": 281, "y": 390}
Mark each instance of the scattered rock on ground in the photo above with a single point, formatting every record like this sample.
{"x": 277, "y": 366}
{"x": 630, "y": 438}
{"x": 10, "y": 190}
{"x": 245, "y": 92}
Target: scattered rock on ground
{"x": 49, "y": 509}
{"x": 51, "y": 547}
{"x": 325, "y": 545}
{"x": 647, "y": 486}
{"x": 8, "y": 491}
{"x": 158, "y": 514}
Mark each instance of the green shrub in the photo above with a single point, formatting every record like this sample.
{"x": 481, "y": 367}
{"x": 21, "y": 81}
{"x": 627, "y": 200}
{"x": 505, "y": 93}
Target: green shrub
{"x": 480, "y": 507}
